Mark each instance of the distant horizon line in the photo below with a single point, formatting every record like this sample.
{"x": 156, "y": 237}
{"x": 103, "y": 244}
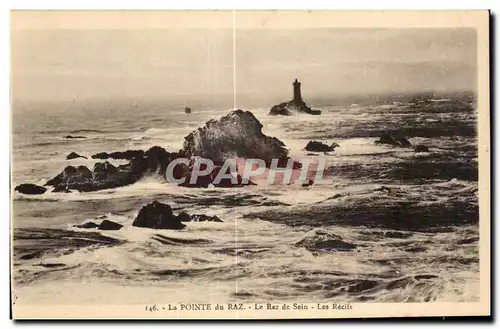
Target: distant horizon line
{"x": 260, "y": 97}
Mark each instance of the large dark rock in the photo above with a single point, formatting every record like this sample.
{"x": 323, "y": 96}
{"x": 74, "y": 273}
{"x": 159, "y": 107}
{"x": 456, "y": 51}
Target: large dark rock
{"x": 74, "y": 155}
{"x": 292, "y": 107}
{"x": 126, "y": 155}
{"x": 237, "y": 134}
{"x": 314, "y": 146}
{"x": 107, "y": 225}
{"x": 157, "y": 160}
{"x": 29, "y": 188}
{"x": 397, "y": 141}
{"x": 158, "y": 216}
{"x": 82, "y": 179}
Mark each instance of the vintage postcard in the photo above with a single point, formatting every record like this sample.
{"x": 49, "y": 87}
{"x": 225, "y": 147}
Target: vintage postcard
{"x": 249, "y": 164}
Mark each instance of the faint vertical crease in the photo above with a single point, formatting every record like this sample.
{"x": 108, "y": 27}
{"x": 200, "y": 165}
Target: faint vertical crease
{"x": 234, "y": 107}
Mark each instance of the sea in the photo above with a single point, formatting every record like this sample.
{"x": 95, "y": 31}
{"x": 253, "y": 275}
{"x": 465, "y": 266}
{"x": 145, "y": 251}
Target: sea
{"x": 403, "y": 225}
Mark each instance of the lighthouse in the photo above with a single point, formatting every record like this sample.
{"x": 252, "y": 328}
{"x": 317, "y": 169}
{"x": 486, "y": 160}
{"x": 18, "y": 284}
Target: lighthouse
{"x": 297, "y": 97}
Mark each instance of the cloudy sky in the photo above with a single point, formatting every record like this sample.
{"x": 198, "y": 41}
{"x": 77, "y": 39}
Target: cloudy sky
{"x": 60, "y": 63}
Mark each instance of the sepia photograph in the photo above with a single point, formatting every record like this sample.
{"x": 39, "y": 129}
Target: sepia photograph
{"x": 249, "y": 164}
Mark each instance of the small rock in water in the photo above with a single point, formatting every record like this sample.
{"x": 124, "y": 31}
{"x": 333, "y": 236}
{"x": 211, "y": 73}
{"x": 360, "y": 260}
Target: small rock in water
{"x": 29, "y": 188}
{"x": 205, "y": 218}
{"x": 87, "y": 225}
{"x": 74, "y": 155}
{"x": 397, "y": 141}
{"x": 108, "y": 225}
{"x": 314, "y": 146}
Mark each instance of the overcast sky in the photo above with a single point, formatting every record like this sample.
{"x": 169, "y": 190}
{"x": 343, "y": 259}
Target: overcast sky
{"x": 59, "y": 64}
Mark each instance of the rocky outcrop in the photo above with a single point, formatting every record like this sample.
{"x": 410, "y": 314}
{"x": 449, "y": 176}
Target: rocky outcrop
{"x": 70, "y": 176}
{"x": 157, "y": 215}
{"x": 74, "y": 155}
{"x": 397, "y": 141}
{"x": 421, "y": 148}
{"x": 126, "y": 155}
{"x": 103, "y": 176}
{"x": 29, "y": 188}
{"x": 314, "y": 146}
{"x": 237, "y": 134}
{"x": 292, "y": 107}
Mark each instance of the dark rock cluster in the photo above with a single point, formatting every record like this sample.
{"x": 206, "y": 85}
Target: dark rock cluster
{"x": 126, "y": 155}
{"x": 106, "y": 225}
{"x": 158, "y": 215}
